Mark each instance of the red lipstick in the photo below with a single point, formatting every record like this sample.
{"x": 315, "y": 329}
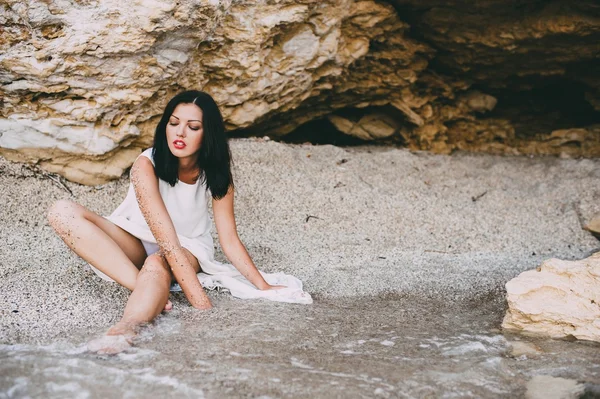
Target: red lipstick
{"x": 179, "y": 144}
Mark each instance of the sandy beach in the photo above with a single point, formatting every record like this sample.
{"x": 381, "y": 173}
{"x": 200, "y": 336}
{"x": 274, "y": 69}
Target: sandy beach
{"x": 350, "y": 222}
{"x": 406, "y": 255}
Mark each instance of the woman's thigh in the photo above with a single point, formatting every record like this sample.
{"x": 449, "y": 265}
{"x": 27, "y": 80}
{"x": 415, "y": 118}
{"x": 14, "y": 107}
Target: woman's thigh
{"x": 193, "y": 260}
{"x": 130, "y": 245}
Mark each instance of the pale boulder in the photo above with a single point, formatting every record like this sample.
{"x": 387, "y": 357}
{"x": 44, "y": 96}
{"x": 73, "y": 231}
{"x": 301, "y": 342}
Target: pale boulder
{"x": 559, "y": 299}
{"x": 481, "y": 102}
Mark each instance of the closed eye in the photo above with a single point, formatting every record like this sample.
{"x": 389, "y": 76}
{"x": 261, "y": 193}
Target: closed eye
{"x": 195, "y": 128}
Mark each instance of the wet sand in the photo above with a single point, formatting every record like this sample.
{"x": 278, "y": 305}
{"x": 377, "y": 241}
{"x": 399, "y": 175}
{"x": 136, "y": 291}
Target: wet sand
{"x": 350, "y": 222}
{"x": 388, "y": 347}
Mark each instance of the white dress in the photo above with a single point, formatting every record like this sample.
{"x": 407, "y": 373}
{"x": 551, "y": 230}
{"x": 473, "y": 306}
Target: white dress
{"x": 187, "y": 205}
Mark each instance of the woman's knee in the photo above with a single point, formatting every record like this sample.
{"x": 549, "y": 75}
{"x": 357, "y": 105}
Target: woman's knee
{"x": 157, "y": 265}
{"x": 61, "y": 212}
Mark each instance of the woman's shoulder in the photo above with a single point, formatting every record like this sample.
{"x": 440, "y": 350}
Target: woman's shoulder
{"x": 141, "y": 167}
{"x": 148, "y": 154}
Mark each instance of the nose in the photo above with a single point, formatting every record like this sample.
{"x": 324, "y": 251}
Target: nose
{"x": 180, "y": 132}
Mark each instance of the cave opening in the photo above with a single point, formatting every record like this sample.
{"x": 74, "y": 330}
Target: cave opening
{"x": 322, "y": 131}
{"x": 542, "y": 105}
{"x": 535, "y": 106}
{"x": 318, "y": 131}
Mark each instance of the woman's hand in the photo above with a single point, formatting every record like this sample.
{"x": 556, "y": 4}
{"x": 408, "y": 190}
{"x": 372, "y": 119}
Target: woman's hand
{"x": 203, "y": 303}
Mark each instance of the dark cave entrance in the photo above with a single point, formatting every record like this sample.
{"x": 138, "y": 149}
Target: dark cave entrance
{"x": 318, "y": 131}
{"x": 535, "y": 106}
{"x": 540, "y": 106}
{"x": 321, "y": 131}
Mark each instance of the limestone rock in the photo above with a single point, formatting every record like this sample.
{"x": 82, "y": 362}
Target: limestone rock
{"x": 369, "y": 127}
{"x": 411, "y": 115}
{"x": 80, "y": 81}
{"x": 480, "y": 102}
{"x": 493, "y": 35}
{"x": 538, "y": 60}
{"x": 83, "y": 81}
{"x": 498, "y": 136}
{"x": 559, "y": 299}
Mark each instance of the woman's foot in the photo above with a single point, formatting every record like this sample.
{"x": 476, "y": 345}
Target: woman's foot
{"x": 117, "y": 339}
{"x": 168, "y": 306}
{"x": 109, "y": 344}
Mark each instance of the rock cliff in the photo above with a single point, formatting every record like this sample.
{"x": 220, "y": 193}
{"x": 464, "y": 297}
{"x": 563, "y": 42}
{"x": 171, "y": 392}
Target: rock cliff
{"x": 82, "y": 82}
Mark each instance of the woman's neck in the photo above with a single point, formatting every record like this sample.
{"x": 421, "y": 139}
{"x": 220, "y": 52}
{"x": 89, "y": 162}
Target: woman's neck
{"x": 188, "y": 170}
{"x": 187, "y": 165}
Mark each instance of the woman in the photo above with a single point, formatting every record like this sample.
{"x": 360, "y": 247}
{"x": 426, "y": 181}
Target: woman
{"x": 161, "y": 232}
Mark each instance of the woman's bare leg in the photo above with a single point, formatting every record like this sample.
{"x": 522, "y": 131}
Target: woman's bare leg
{"x": 147, "y": 300}
{"x": 98, "y": 241}
{"x": 144, "y": 304}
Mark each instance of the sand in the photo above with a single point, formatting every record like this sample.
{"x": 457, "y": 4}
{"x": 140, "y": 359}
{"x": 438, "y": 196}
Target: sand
{"x": 350, "y": 222}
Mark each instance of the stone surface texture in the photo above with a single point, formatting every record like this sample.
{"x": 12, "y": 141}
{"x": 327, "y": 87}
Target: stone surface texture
{"x": 82, "y": 82}
{"x": 559, "y": 299}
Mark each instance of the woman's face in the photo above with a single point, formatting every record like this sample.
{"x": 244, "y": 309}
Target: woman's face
{"x": 185, "y": 131}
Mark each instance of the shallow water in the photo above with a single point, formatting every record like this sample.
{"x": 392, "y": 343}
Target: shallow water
{"x": 369, "y": 347}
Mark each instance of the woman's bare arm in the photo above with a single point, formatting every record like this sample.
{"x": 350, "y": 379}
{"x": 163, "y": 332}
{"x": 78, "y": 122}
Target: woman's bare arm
{"x": 145, "y": 184}
{"x": 231, "y": 244}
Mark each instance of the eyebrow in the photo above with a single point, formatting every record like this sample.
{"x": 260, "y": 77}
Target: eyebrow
{"x": 191, "y": 120}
